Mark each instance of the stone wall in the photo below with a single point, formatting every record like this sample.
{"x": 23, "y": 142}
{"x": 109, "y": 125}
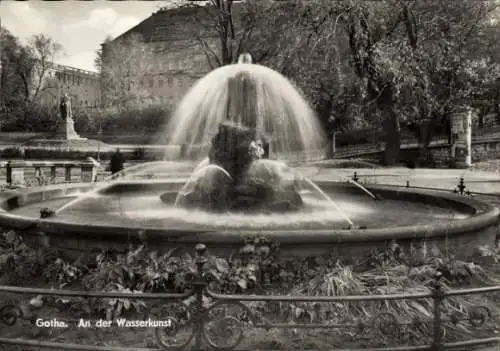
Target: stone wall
{"x": 439, "y": 154}
{"x": 485, "y": 150}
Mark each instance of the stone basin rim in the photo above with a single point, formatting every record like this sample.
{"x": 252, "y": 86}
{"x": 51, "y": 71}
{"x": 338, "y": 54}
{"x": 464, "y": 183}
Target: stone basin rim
{"x": 485, "y": 215}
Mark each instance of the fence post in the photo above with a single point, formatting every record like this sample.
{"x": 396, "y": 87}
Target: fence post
{"x": 199, "y": 286}
{"x": 88, "y": 172}
{"x": 437, "y": 296}
{"x": 67, "y": 173}
{"x": 53, "y": 174}
{"x": 8, "y": 174}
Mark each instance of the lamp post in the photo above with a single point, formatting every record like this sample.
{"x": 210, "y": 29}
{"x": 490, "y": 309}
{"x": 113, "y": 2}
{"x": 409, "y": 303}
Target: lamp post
{"x": 334, "y": 142}
{"x": 99, "y": 133}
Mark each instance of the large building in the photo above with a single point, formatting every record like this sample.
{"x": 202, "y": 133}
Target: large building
{"x": 174, "y": 34}
{"x": 81, "y": 85}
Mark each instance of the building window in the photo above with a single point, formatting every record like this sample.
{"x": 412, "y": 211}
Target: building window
{"x": 151, "y": 82}
{"x": 160, "y": 83}
{"x": 170, "y": 81}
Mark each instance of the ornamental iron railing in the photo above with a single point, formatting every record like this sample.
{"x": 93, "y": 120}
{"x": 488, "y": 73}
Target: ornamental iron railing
{"x": 219, "y": 321}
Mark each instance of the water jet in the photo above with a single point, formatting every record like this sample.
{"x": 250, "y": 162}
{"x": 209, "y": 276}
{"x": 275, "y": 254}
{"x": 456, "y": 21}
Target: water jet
{"x": 239, "y": 189}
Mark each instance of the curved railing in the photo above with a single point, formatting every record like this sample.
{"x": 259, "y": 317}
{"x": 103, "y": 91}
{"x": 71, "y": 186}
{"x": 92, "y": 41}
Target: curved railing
{"x": 461, "y": 187}
{"x": 190, "y": 325}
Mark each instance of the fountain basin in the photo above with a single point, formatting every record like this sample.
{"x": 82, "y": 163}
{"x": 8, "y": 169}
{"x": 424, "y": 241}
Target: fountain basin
{"x": 453, "y": 223}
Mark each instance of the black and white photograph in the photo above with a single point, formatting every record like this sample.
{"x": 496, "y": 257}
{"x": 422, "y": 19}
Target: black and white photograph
{"x": 250, "y": 175}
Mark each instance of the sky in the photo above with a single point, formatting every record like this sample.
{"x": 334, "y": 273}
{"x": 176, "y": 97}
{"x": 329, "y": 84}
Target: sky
{"x": 79, "y": 26}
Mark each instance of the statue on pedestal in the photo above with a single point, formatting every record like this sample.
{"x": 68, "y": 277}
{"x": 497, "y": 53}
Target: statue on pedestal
{"x": 65, "y": 107}
{"x": 67, "y": 131}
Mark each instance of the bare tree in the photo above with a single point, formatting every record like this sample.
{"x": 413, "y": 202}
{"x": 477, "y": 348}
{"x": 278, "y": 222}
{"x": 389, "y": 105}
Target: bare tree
{"x": 228, "y": 28}
{"x": 44, "y": 50}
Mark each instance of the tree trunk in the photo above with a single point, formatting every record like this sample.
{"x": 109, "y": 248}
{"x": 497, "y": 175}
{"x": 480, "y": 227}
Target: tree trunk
{"x": 391, "y": 125}
{"x": 497, "y": 110}
{"x": 392, "y": 138}
{"x": 427, "y": 130}
{"x": 324, "y": 109}
{"x": 481, "y": 121}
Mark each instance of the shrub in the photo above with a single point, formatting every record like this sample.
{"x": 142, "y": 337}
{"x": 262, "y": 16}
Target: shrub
{"x": 139, "y": 153}
{"x": 257, "y": 268}
{"x": 11, "y": 152}
{"x": 58, "y": 154}
{"x": 31, "y": 118}
{"x": 147, "y": 120}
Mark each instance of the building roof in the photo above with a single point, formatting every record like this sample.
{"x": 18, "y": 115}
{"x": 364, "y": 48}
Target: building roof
{"x": 79, "y": 71}
{"x": 169, "y": 24}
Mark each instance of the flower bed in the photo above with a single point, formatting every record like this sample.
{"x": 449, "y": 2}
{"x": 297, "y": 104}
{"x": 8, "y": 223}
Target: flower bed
{"x": 255, "y": 270}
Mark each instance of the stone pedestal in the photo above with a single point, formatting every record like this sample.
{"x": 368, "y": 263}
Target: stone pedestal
{"x": 67, "y": 130}
{"x": 88, "y": 173}
{"x": 14, "y": 175}
{"x": 461, "y": 138}
{"x": 67, "y": 173}
{"x": 53, "y": 175}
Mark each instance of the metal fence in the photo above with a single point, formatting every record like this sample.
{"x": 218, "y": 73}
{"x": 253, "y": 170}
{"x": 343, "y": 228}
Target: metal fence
{"x": 192, "y": 327}
{"x": 462, "y": 186}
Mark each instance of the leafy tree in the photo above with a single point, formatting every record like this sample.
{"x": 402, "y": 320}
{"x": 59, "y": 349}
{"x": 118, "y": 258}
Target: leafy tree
{"x": 407, "y": 61}
{"x": 17, "y": 64}
{"x": 445, "y": 66}
{"x": 314, "y": 55}
{"x": 125, "y": 65}
{"x": 23, "y": 80}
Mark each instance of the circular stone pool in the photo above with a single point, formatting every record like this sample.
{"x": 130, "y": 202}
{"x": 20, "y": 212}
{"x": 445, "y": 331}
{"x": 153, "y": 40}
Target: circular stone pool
{"x": 112, "y": 216}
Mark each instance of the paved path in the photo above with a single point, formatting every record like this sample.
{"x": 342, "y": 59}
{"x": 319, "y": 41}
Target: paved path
{"x": 475, "y": 181}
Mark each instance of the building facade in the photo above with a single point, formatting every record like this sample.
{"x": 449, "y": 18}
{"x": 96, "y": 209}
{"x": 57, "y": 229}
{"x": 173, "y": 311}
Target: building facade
{"x": 179, "y": 56}
{"x": 81, "y": 85}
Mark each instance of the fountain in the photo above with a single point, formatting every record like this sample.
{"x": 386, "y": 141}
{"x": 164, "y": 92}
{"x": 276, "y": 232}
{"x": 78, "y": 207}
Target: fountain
{"x": 244, "y": 120}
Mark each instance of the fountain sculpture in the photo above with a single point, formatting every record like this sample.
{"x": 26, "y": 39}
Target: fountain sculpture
{"x": 251, "y": 107}
{"x": 243, "y": 120}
